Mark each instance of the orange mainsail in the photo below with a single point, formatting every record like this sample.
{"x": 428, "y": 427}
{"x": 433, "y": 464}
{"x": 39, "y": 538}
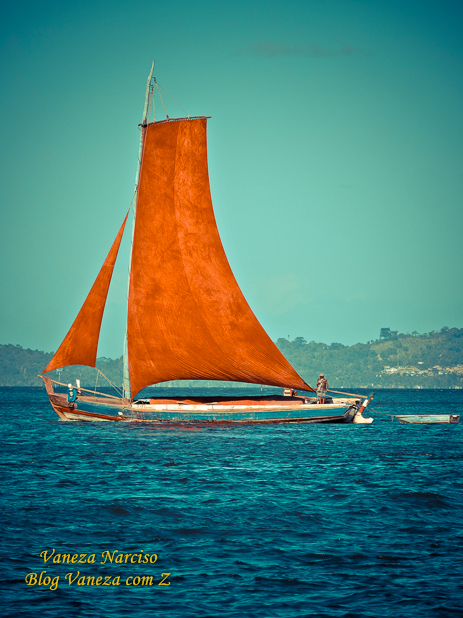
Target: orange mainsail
{"x": 187, "y": 317}
{"x": 79, "y": 347}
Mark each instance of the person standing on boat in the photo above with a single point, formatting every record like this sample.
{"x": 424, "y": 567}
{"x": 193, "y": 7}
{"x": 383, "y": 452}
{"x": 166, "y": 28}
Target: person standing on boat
{"x": 322, "y": 387}
{"x": 72, "y": 394}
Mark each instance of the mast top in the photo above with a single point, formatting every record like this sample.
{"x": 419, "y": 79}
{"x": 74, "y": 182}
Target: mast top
{"x": 147, "y": 96}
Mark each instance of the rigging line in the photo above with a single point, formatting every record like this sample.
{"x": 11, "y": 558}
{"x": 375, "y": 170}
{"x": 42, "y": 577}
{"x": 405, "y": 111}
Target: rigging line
{"x": 383, "y": 413}
{"x": 159, "y": 86}
{"x": 162, "y": 100}
{"x": 116, "y": 388}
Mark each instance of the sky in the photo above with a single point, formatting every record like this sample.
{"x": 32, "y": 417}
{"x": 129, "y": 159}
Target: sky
{"x": 335, "y": 156}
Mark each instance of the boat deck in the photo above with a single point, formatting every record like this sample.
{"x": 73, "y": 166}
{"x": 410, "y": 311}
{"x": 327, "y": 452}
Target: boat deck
{"x": 266, "y": 402}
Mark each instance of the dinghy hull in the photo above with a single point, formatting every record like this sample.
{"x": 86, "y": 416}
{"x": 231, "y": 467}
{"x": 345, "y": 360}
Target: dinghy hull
{"x": 422, "y": 419}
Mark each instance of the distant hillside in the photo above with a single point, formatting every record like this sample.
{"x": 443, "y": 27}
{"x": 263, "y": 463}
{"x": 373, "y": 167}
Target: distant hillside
{"x": 19, "y": 367}
{"x": 394, "y": 360}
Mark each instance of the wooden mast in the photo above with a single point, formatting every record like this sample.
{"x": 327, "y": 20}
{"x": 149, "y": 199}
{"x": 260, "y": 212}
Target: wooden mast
{"x": 146, "y": 110}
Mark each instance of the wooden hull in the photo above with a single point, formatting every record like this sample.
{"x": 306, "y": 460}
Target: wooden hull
{"x": 227, "y": 410}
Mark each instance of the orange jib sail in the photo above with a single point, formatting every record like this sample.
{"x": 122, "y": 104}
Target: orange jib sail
{"x": 187, "y": 317}
{"x": 80, "y": 345}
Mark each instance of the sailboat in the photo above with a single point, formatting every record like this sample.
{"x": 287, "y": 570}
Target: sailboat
{"x": 187, "y": 318}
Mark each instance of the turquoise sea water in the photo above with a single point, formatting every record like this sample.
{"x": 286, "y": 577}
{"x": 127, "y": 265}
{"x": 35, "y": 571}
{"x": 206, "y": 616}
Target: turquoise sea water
{"x": 249, "y": 520}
